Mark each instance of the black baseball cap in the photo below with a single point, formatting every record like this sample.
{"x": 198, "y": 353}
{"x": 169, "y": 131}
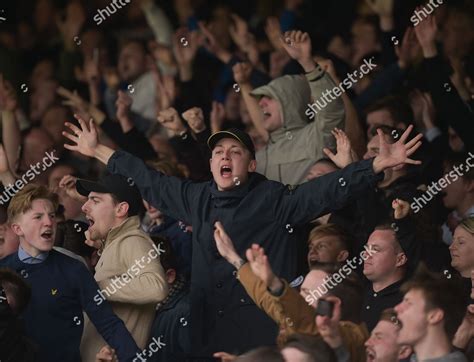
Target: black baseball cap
{"x": 122, "y": 188}
{"x": 236, "y": 134}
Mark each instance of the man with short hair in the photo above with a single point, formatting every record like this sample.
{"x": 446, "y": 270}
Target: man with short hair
{"x": 328, "y": 243}
{"x": 430, "y": 314}
{"x": 128, "y": 272}
{"x": 385, "y": 269}
{"x": 382, "y": 344}
{"x": 390, "y": 111}
{"x": 251, "y": 208}
{"x": 62, "y": 287}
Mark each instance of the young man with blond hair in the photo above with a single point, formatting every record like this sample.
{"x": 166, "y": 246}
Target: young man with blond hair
{"x": 328, "y": 243}
{"x": 62, "y": 287}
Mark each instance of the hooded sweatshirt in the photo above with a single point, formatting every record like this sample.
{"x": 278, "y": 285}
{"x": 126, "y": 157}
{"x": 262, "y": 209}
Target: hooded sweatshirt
{"x": 293, "y": 148}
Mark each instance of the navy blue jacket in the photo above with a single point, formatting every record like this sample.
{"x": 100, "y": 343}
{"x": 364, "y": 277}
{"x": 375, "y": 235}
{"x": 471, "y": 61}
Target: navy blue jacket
{"x": 172, "y": 325}
{"x": 223, "y": 317}
{"x": 180, "y": 240}
{"x": 61, "y": 289}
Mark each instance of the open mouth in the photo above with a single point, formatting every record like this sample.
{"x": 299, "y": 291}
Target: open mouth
{"x": 48, "y": 235}
{"x": 313, "y": 258}
{"x": 91, "y": 221}
{"x": 226, "y": 171}
{"x": 370, "y": 355}
{"x": 266, "y": 114}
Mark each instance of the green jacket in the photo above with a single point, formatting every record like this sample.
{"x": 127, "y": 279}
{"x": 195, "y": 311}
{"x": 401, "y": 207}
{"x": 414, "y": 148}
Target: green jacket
{"x": 295, "y": 147}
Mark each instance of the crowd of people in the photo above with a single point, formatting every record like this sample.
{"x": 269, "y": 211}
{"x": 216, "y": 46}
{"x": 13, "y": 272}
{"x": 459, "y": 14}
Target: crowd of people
{"x": 244, "y": 181}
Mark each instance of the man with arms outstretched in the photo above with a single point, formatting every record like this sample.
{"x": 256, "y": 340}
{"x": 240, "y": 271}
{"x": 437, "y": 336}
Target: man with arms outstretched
{"x": 250, "y": 207}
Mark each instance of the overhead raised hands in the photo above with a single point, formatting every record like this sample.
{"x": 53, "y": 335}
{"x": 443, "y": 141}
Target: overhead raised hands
{"x": 344, "y": 155}
{"x": 298, "y": 45}
{"x": 85, "y": 138}
{"x": 398, "y": 153}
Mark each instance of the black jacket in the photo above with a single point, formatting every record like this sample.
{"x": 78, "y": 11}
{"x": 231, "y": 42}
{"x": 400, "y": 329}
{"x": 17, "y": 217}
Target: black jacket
{"x": 223, "y": 317}
{"x": 172, "y": 325}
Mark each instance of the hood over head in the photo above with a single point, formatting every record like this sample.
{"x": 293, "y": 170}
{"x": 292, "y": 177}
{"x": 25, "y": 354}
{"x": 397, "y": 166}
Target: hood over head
{"x": 293, "y": 93}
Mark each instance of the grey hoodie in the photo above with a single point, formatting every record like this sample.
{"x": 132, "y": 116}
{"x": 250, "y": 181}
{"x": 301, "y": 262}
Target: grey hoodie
{"x": 297, "y": 145}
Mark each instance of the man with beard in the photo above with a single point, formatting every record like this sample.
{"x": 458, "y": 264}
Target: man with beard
{"x": 128, "y": 272}
{"x": 382, "y": 345}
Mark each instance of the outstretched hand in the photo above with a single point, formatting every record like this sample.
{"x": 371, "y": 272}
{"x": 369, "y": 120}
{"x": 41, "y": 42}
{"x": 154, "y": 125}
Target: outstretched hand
{"x": 343, "y": 156}
{"x": 425, "y": 32}
{"x": 409, "y": 50}
{"x": 398, "y": 153}
{"x": 225, "y": 246}
{"x": 260, "y": 266}
{"x": 85, "y": 139}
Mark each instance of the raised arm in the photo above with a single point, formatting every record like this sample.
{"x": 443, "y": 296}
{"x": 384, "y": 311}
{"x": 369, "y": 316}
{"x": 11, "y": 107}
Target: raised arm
{"x": 256, "y": 276}
{"x": 298, "y": 46}
{"x": 157, "y": 21}
{"x": 353, "y": 126}
{"x": 333, "y": 191}
{"x": 11, "y": 137}
{"x": 173, "y": 196}
{"x": 452, "y": 109}
{"x": 242, "y": 72}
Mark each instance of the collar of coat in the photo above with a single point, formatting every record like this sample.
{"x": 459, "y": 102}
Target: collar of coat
{"x": 229, "y": 197}
{"x": 129, "y": 224}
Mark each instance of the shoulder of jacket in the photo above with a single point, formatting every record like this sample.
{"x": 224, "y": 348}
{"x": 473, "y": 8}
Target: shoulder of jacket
{"x": 65, "y": 259}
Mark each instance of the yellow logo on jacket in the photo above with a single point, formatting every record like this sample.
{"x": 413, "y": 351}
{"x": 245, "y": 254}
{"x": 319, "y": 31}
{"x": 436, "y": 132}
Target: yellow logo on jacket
{"x": 54, "y": 291}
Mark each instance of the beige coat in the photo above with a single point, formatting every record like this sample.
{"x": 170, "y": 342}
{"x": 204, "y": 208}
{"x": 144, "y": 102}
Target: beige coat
{"x": 130, "y": 255}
